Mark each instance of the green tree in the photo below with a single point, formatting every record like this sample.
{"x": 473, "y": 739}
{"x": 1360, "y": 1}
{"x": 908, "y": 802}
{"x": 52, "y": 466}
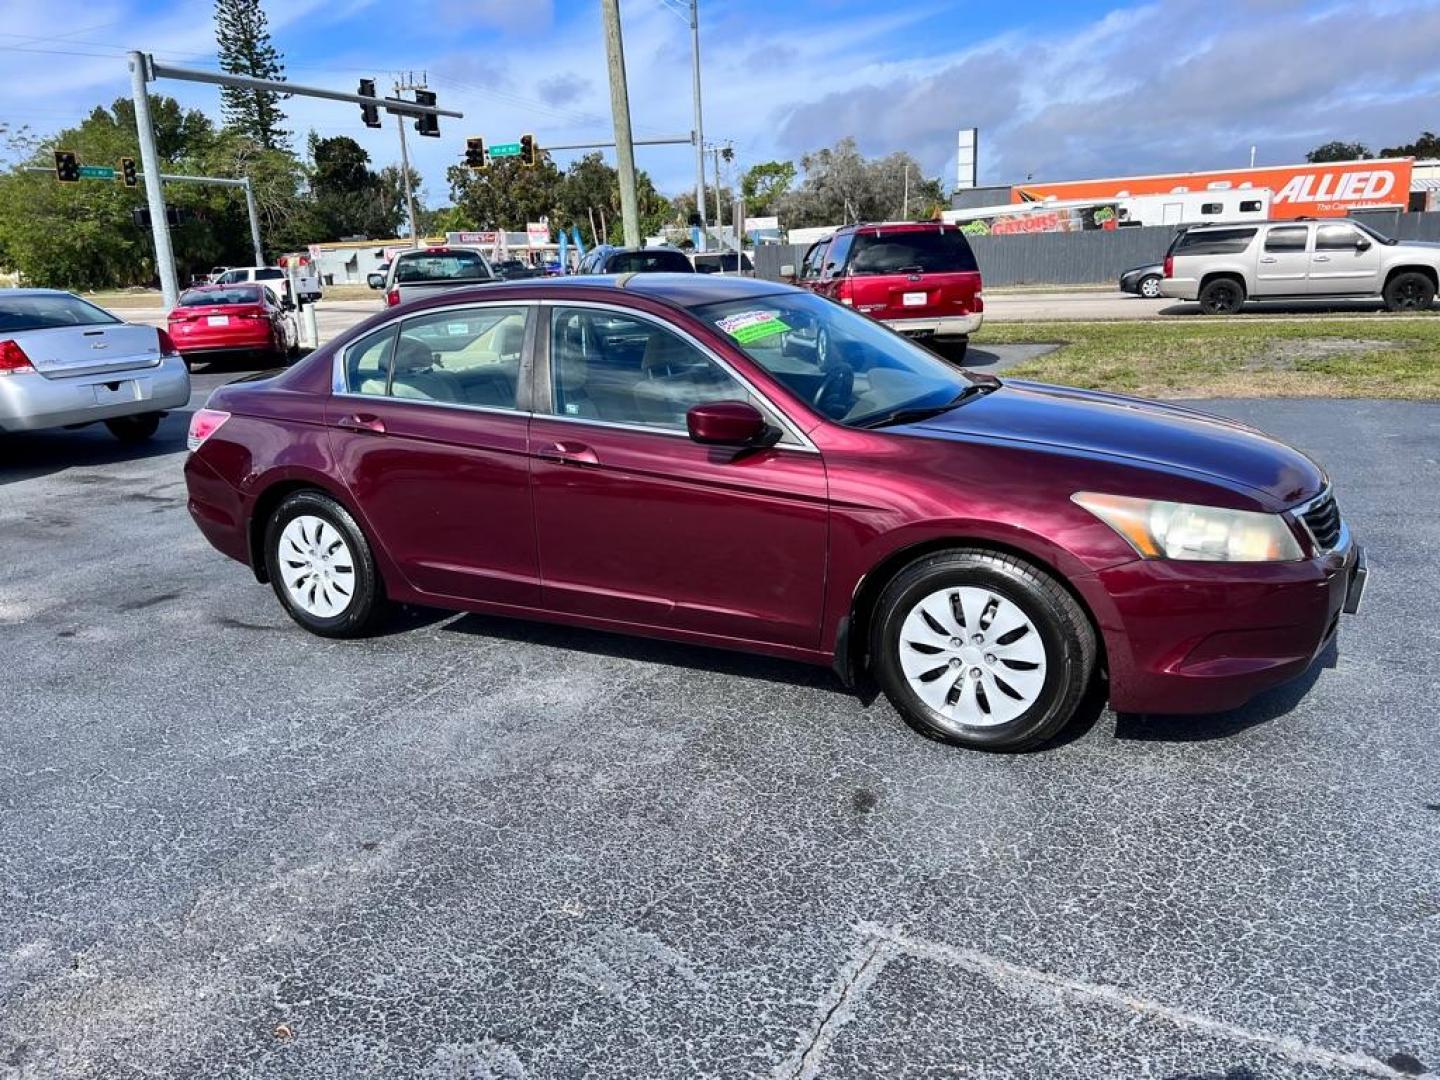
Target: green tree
{"x": 842, "y": 186}
{"x": 1426, "y": 146}
{"x": 1339, "y": 151}
{"x": 242, "y": 33}
{"x": 590, "y": 185}
{"x": 764, "y": 183}
{"x": 506, "y": 195}
{"x": 347, "y": 198}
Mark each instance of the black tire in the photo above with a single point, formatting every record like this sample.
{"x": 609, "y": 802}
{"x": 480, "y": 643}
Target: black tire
{"x": 367, "y": 607}
{"x": 1410, "y": 291}
{"x": 1149, "y": 287}
{"x": 1064, "y": 630}
{"x": 1222, "y": 296}
{"x": 952, "y": 350}
{"x": 134, "y": 429}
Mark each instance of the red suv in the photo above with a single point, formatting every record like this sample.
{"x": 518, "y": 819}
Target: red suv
{"x": 917, "y": 277}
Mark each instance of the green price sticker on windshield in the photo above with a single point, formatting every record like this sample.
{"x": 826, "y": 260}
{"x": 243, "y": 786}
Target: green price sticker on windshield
{"x": 752, "y": 326}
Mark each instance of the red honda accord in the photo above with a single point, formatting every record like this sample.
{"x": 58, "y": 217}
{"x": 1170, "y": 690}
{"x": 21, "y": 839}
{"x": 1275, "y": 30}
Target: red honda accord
{"x": 671, "y": 455}
{"x": 215, "y": 319}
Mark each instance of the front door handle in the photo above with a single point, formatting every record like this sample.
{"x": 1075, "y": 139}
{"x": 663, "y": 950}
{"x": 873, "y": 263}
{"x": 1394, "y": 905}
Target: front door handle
{"x": 364, "y": 422}
{"x": 1322, "y": 258}
{"x": 569, "y": 453}
{"x": 1269, "y": 259}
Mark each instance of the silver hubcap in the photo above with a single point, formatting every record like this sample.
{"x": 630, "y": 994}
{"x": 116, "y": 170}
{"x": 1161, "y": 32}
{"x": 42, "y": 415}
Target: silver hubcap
{"x": 316, "y": 566}
{"x": 972, "y": 656}
{"x": 1150, "y": 287}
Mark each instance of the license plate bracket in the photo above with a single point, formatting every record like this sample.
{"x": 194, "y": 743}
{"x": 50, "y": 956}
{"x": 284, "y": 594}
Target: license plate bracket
{"x": 914, "y": 299}
{"x": 218, "y": 320}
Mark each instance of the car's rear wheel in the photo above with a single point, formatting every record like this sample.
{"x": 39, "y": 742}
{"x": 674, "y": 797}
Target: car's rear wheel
{"x": 952, "y": 349}
{"x": 981, "y": 650}
{"x": 321, "y": 567}
{"x": 134, "y": 429}
{"x": 1150, "y": 286}
{"x": 1410, "y": 291}
{"x": 1222, "y": 296}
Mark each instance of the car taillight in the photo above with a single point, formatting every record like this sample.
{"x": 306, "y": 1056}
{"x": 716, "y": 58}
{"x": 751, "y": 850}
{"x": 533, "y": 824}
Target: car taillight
{"x": 392, "y": 297}
{"x": 203, "y": 424}
{"x": 843, "y": 293}
{"x": 978, "y": 304}
{"x": 167, "y": 344}
{"x": 1169, "y": 266}
{"x": 13, "y": 359}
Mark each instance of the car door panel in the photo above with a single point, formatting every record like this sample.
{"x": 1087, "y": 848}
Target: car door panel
{"x": 1283, "y": 261}
{"x": 1339, "y": 267}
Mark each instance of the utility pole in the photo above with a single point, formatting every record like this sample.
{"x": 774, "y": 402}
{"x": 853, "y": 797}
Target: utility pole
{"x": 254, "y": 223}
{"x": 620, "y": 109}
{"x": 905, "y": 207}
{"x": 699, "y": 123}
{"x": 400, "y": 90}
{"x": 154, "y": 186}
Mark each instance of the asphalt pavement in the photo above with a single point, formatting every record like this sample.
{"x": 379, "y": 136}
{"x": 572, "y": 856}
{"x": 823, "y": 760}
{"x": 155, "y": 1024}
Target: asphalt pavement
{"x": 474, "y": 848}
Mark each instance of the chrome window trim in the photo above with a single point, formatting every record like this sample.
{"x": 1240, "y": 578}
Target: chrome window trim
{"x": 339, "y": 387}
{"x": 801, "y": 440}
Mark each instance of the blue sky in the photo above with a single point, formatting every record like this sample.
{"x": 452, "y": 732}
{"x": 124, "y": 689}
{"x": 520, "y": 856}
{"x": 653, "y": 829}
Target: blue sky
{"x": 1059, "y": 90}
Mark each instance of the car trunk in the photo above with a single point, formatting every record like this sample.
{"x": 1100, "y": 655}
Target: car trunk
{"x": 67, "y": 351}
{"x": 218, "y": 316}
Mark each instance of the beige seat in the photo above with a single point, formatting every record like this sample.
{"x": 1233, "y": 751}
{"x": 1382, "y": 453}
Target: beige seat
{"x": 415, "y": 375}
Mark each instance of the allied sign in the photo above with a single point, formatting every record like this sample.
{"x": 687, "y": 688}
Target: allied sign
{"x": 1329, "y": 189}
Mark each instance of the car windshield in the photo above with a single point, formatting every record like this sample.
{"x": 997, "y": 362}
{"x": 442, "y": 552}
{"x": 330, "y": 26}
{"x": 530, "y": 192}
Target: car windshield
{"x": 47, "y": 312}
{"x": 441, "y": 266}
{"x": 1374, "y": 233}
{"x": 921, "y": 251}
{"x": 851, "y": 368}
{"x": 207, "y": 297}
{"x": 649, "y": 262}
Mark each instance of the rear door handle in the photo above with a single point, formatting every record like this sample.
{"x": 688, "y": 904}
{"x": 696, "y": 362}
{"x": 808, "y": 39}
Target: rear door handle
{"x": 1322, "y": 258}
{"x": 569, "y": 453}
{"x": 1269, "y": 259}
{"x": 366, "y": 422}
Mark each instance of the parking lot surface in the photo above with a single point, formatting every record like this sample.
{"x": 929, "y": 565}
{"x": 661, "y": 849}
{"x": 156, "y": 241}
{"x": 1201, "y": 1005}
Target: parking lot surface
{"x": 474, "y": 848}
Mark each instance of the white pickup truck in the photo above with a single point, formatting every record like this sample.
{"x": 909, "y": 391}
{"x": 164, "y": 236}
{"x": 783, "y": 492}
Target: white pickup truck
{"x": 274, "y": 278}
{"x": 426, "y": 271}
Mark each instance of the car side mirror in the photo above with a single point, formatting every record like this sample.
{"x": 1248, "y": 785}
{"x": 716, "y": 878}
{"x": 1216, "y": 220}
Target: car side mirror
{"x": 375, "y": 281}
{"x": 726, "y": 423}
{"x": 1362, "y": 244}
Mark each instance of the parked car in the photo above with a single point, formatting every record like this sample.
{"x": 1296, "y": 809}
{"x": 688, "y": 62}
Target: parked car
{"x": 273, "y": 278}
{"x": 517, "y": 270}
{"x": 917, "y": 277}
{"x": 1222, "y": 266}
{"x": 607, "y": 259}
{"x": 427, "y": 271}
{"x": 1143, "y": 280}
{"x": 65, "y": 362}
{"x": 211, "y": 321}
{"x": 651, "y": 454}
{"x": 723, "y": 262}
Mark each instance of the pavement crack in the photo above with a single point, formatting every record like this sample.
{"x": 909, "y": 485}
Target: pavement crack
{"x": 837, "y": 1008}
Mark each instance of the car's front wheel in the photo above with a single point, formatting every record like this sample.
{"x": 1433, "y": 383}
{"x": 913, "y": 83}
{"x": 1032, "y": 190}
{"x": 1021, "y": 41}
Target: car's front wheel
{"x": 321, "y": 567}
{"x": 1150, "y": 286}
{"x": 982, "y": 650}
{"x": 134, "y": 429}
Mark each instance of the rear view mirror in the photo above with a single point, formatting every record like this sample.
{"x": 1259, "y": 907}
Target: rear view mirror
{"x": 375, "y": 281}
{"x": 726, "y": 423}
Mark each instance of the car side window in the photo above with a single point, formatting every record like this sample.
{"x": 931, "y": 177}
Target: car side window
{"x": 367, "y": 363}
{"x": 834, "y": 264}
{"x": 1336, "y": 238}
{"x": 463, "y": 356}
{"x": 814, "y": 259}
{"x": 1287, "y": 238}
{"x": 621, "y": 369}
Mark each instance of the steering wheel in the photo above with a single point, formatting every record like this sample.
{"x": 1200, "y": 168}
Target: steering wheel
{"x": 833, "y": 395}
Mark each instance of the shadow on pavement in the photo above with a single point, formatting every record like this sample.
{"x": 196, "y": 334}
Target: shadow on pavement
{"x": 29, "y": 455}
{"x": 1285, "y": 307}
{"x": 1271, "y": 705}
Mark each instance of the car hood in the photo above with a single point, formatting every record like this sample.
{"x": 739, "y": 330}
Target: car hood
{"x": 1130, "y": 429}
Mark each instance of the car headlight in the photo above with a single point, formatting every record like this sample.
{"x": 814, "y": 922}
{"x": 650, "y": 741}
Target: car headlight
{"x": 1170, "y": 530}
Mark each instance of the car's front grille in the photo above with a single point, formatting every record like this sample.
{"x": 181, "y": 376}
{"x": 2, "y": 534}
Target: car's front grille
{"x": 1322, "y": 518}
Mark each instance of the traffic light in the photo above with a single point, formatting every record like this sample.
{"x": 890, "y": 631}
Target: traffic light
{"x": 695, "y": 221}
{"x": 529, "y": 154}
{"x": 67, "y": 167}
{"x": 127, "y": 172}
{"x": 369, "y": 113}
{"x": 475, "y": 153}
{"x": 427, "y": 123}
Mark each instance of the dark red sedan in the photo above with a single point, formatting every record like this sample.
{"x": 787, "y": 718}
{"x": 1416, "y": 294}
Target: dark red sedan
{"x": 672, "y": 455}
{"x": 212, "y": 320}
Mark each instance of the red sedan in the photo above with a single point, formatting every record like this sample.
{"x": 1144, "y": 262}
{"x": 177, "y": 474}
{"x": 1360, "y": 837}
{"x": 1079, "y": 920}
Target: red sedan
{"x": 671, "y": 455}
{"x": 213, "y": 320}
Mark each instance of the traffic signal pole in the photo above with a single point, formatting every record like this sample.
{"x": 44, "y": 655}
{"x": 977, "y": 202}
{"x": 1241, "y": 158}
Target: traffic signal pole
{"x": 620, "y": 110}
{"x": 154, "y": 186}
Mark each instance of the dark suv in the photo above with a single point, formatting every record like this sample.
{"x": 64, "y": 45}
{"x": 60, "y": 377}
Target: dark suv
{"x": 917, "y": 277}
{"x": 623, "y": 260}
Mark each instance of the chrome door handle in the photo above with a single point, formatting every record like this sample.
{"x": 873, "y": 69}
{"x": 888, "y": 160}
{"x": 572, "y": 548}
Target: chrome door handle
{"x": 363, "y": 422}
{"x": 569, "y": 453}
{"x": 1322, "y": 258}
{"x": 1268, "y": 259}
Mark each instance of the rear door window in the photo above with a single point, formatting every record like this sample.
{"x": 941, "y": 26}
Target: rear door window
{"x": 813, "y": 260}
{"x": 463, "y": 356}
{"x": 1214, "y": 242}
{"x": 367, "y": 363}
{"x": 1287, "y": 238}
{"x": 915, "y": 251}
{"x": 1336, "y": 238}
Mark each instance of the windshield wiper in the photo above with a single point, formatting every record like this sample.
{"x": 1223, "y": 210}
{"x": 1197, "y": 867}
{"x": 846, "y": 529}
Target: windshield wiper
{"x": 914, "y": 415}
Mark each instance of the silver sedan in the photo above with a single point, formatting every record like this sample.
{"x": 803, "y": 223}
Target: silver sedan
{"x": 65, "y": 362}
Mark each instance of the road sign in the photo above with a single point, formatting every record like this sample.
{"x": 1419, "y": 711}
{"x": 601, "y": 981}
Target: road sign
{"x": 505, "y": 149}
{"x": 97, "y": 172}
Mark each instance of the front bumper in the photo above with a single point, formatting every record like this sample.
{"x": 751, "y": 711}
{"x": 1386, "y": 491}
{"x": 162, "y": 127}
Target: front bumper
{"x": 939, "y": 326}
{"x": 1207, "y": 637}
{"x": 31, "y": 402}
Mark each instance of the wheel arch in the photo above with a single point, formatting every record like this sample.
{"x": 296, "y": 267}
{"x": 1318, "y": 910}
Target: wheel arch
{"x": 1412, "y": 268}
{"x": 271, "y": 495}
{"x": 852, "y": 642}
{"x": 1217, "y": 275}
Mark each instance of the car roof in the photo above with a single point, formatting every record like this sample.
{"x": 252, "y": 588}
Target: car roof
{"x": 42, "y": 292}
{"x": 897, "y": 226}
{"x": 678, "y": 290}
